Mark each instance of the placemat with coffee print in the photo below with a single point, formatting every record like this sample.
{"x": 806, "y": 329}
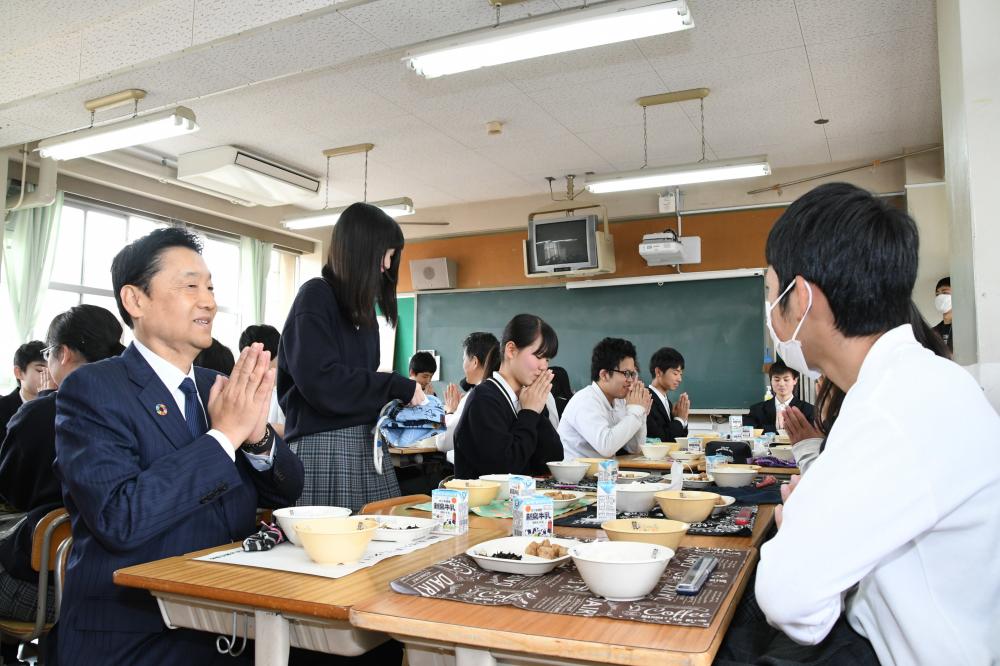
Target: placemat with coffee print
{"x": 721, "y": 525}
{"x": 563, "y": 591}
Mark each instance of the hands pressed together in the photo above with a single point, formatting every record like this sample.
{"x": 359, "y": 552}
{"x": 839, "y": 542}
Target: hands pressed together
{"x": 238, "y": 404}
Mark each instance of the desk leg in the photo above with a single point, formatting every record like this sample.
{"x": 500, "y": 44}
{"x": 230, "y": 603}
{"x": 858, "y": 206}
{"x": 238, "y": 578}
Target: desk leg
{"x": 271, "y": 639}
{"x": 466, "y": 656}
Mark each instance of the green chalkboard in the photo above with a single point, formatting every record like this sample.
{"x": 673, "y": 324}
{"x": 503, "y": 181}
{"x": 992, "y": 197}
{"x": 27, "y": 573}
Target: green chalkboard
{"x": 405, "y": 306}
{"x": 717, "y": 324}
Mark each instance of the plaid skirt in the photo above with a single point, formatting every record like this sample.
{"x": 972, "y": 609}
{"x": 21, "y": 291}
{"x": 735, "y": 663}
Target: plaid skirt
{"x": 339, "y": 470}
{"x": 18, "y": 599}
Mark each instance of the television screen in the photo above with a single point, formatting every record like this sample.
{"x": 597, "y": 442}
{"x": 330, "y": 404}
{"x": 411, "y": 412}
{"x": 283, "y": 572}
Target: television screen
{"x": 563, "y": 244}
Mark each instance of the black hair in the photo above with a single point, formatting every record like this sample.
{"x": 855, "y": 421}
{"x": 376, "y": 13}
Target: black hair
{"x": 263, "y": 333}
{"x": 562, "y": 391}
{"x": 943, "y": 282}
{"x": 28, "y": 353}
{"x": 859, "y": 250}
{"x": 608, "y": 353}
{"x": 89, "y": 330}
{"x": 665, "y": 358}
{"x": 485, "y": 348}
{"x": 139, "y": 261}
{"x": 524, "y": 329}
{"x": 216, "y": 357}
{"x": 423, "y": 362}
{"x": 779, "y": 368}
{"x": 364, "y": 233}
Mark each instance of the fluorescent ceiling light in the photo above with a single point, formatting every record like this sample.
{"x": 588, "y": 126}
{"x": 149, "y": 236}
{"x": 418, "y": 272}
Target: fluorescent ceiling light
{"x": 557, "y": 32}
{"x": 700, "y": 172}
{"x": 130, "y": 132}
{"x": 329, "y": 216}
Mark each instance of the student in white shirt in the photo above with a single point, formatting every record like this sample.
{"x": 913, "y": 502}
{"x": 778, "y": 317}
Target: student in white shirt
{"x": 610, "y": 414}
{"x": 910, "y": 559}
{"x": 480, "y": 359}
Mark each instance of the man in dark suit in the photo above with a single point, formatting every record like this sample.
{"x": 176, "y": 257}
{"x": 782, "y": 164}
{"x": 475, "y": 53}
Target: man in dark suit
{"x": 32, "y": 376}
{"x": 768, "y": 414}
{"x": 667, "y": 421}
{"x": 144, "y": 477}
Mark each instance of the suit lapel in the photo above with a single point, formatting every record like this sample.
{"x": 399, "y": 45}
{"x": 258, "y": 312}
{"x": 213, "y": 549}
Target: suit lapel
{"x": 156, "y": 400}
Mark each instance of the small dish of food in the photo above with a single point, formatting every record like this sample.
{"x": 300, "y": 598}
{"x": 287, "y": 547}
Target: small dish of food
{"x": 562, "y": 499}
{"x": 528, "y": 556}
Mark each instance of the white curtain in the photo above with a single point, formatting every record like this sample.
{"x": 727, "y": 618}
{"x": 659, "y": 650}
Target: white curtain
{"x": 29, "y": 241}
{"x": 255, "y": 264}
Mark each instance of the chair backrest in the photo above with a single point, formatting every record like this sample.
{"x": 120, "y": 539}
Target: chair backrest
{"x": 56, "y": 523}
{"x": 385, "y": 506}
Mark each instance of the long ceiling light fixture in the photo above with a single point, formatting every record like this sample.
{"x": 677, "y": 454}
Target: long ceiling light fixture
{"x": 327, "y": 217}
{"x": 121, "y": 134}
{"x": 557, "y": 32}
{"x": 702, "y": 171}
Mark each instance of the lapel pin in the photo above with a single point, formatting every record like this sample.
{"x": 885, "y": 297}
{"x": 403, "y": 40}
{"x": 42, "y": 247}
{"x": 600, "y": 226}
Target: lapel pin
{"x": 161, "y": 409}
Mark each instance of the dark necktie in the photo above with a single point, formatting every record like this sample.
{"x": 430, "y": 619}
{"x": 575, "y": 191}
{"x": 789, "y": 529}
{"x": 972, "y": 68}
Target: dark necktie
{"x": 192, "y": 409}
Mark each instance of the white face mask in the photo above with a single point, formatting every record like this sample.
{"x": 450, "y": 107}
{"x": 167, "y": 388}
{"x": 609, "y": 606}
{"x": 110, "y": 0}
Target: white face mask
{"x": 791, "y": 350}
{"x": 942, "y": 303}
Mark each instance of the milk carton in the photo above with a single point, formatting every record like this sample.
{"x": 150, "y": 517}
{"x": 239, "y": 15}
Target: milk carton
{"x": 521, "y": 485}
{"x": 735, "y": 426}
{"x": 747, "y": 433}
{"x": 533, "y": 515}
{"x": 450, "y": 508}
{"x": 607, "y": 475}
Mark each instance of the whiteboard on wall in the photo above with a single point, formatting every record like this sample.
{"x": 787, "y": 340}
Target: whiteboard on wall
{"x": 387, "y": 344}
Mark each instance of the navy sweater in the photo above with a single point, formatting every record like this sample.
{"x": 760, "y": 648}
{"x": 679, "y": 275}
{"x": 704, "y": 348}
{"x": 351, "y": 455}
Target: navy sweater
{"x": 327, "y": 368}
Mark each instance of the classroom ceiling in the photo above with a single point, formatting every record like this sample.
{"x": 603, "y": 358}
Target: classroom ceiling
{"x": 289, "y": 79}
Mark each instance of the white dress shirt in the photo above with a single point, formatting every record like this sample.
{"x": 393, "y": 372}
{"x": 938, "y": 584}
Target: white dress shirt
{"x": 171, "y": 376}
{"x": 779, "y": 409}
{"x": 592, "y": 428}
{"x": 919, "y": 542}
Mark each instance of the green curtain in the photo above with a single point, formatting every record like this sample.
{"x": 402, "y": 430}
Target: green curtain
{"x": 29, "y": 243}
{"x": 255, "y": 264}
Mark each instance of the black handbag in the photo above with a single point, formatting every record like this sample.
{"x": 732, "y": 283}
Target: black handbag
{"x": 740, "y": 452}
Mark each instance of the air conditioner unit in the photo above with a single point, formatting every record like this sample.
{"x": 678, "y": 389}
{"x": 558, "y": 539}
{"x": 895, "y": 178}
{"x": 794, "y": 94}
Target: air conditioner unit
{"x": 667, "y": 249}
{"x": 240, "y": 174}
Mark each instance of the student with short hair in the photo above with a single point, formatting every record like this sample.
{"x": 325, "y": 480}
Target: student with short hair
{"x": 32, "y": 376}
{"x": 909, "y": 562}
{"x": 422, "y": 369}
{"x": 217, "y": 357}
{"x": 505, "y": 426}
{"x": 769, "y": 415}
{"x": 269, "y": 337}
{"x": 942, "y": 303}
{"x": 667, "y": 421}
{"x": 610, "y": 414}
{"x": 480, "y": 359}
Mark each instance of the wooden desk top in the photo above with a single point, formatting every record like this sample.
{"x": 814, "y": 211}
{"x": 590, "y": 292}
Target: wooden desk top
{"x": 289, "y": 592}
{"x": 413, "y": 450}
{"x": 631, "y": 461}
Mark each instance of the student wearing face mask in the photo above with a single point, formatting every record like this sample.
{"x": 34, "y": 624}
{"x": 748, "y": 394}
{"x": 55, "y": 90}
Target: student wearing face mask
{"x": 505, "y": 426}
{"x": 942, "y": 303}
{"x": 610, "y": 414}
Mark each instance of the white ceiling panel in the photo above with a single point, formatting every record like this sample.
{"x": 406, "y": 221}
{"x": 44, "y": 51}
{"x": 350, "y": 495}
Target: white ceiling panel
{"x": 551, "y": 155}
{"x": 794, "y": 152}
{"x": 825, "y": 21}
{"x": 389, "y": 77}
{"x": 38, "y": 21}
{"x": 218, "y": 18}
{"x": 12, "y": 132}
{"x": 728, "y": 29}
{"x": 51, "y": 64}
{"x": 674, "y": 142}
{"x": 403, "y": 22}
{"x": 147, "y": 33}
{"x": 576, "y": 67}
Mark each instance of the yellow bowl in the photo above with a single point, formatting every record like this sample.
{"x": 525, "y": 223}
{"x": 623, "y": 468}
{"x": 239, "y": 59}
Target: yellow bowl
{"x": 757, "y": 432}
{"x": 593, "y": 462}
{"x": 480, "y": 492}
{"x": 646, "y": 530}
{"x": 707, "y": 437}
{"x": 689, "y": 506}
{"x": 336, "y": 540}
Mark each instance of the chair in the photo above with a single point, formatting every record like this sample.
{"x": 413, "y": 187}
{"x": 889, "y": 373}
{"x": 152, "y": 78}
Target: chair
{"x": 50, "y": 545}
{"x": 382, "y": 505}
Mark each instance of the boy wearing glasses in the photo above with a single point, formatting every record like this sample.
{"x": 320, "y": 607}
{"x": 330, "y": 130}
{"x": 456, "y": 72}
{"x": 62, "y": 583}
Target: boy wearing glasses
{"x": 610, "y": 414}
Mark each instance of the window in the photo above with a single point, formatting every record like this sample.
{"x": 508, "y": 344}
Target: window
{"x": 282, "y": 284}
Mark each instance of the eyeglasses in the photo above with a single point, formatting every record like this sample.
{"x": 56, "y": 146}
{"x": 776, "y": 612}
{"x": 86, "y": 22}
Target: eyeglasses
{"x": 47, "y": 352}
{"x": 629, "y": 374}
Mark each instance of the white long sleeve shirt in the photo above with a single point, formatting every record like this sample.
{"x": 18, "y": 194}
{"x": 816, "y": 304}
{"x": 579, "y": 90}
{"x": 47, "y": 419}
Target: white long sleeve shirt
{"x": 591, "y": 427}
{"x": 923, "y": 551}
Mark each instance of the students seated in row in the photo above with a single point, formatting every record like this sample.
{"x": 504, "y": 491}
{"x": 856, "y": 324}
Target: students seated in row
{"x": 270, "y": 338}
{"x": 909, "y": 561}
{"x": 81, "y": 335}
{"x": 505, "y": 425}
{"x": 667, "y": 421}
{"x": 610, "y": 414}
{"x": 422, "y": 369}
{"x": 480, "y": 359}
{"x": 31, "y": 375}
{"x": 769, "y": 415}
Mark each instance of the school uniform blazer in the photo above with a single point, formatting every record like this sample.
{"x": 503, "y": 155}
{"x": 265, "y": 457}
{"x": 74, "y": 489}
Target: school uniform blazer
{"x": 9, "y": 404}
{"x": 661, "y": 424}
{"x": 764, "y": 414}
{"x": 138, "y": 489}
